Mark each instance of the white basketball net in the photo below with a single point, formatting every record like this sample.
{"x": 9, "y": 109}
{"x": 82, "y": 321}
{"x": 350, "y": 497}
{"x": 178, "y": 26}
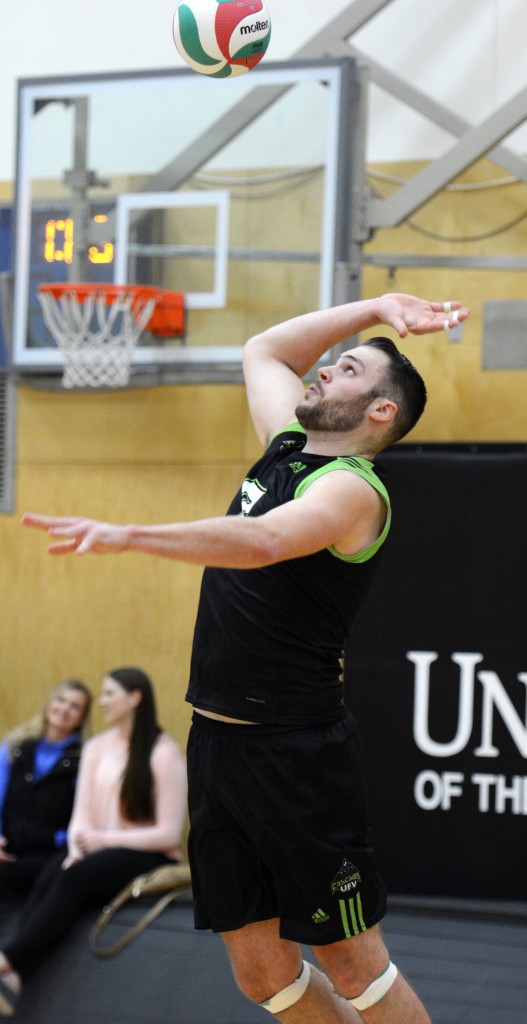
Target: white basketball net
{"x": 96, "y": 339}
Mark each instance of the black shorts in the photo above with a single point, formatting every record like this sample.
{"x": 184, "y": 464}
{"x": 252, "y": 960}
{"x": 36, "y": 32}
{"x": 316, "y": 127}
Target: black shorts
{"x": 279, "y": 828}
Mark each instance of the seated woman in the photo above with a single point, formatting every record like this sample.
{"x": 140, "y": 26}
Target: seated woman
{"x": 39, "y": 761}
{"x": 128, "y": 818}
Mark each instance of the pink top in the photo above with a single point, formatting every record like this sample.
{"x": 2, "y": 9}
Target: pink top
{"x": 97, "y": 807}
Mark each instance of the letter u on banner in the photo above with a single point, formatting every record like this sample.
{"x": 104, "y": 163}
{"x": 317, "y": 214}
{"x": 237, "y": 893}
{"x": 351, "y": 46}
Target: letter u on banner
{"x": 422, "y": 661}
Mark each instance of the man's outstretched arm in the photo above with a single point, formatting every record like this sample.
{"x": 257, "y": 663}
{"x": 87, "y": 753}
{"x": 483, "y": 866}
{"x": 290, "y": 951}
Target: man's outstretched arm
{"x": 276, "y": 360}
{"x": 337, "y": 509}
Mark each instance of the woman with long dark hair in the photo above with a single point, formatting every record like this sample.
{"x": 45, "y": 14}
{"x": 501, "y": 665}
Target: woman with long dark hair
{"x": 39, "y": 763}
{"x": 128, "y": 819}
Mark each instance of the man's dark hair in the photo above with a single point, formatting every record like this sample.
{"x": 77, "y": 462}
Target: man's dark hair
{"x": 403, "y": 384}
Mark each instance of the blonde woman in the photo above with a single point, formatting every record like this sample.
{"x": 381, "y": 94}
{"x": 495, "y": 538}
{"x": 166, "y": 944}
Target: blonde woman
{"x": 39, "y": 762}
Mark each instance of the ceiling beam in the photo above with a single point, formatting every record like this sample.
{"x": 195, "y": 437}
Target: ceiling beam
{"x": 476, "y": 142}
{"x": 435, "y": 112}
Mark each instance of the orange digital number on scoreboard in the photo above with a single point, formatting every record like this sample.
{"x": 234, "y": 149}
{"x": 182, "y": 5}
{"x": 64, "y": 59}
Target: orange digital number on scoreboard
{"x": 64, "y": 230}
{"x": 59, "y": 238}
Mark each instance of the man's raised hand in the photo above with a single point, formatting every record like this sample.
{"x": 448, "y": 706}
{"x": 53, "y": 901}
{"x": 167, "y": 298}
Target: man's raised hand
{"x": 408, "y": 314}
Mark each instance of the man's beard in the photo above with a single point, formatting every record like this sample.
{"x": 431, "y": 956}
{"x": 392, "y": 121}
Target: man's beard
{"x": 333, "y": 415}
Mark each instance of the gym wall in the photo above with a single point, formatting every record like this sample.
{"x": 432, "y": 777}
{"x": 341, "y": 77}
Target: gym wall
{"x": 169, "y": 453}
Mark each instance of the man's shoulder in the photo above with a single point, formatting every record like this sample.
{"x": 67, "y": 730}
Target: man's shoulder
{"x": 352, "y": 470}
{"x": 290, "y": 436}
{"x": 292, "y": 427}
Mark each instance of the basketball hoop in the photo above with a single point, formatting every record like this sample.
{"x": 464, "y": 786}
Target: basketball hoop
{"x": 96, "y": 327}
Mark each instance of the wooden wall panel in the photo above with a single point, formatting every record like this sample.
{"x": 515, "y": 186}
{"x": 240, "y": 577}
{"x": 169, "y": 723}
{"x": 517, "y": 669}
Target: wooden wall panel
{"x": 170, "y": 453}
{"x": 152, "y": 456}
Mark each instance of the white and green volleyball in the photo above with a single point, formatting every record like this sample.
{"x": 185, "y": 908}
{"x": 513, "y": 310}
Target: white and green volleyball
{"x": 221, "y": 38}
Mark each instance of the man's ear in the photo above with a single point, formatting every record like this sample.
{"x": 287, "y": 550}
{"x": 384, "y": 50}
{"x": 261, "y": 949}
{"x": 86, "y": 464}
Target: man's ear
{"x": 383, "y": 410}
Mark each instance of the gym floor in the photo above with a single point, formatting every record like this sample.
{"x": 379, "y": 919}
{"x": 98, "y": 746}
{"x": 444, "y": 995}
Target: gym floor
{"x": 467, "y": 961}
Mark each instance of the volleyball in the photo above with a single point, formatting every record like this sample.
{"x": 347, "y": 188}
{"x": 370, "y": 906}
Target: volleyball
{"x": 221, "y": 38}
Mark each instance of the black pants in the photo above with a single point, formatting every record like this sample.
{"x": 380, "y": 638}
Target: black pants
{"x": 59, "y": 896}
{"x": 17, "y": 876}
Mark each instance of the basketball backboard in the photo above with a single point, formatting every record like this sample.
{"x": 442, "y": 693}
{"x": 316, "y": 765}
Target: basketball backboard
{"x": 230, "y": 191}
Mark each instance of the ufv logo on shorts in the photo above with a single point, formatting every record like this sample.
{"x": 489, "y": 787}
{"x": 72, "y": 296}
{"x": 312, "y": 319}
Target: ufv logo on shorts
{"x": 346, "y": 885}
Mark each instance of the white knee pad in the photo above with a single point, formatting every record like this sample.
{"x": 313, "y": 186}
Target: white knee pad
{"x": 376, "y": 990}
{"x": 289, "y": 996}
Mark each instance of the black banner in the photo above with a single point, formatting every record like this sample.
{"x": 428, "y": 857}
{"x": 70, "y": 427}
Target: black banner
{"x": 436, "y": 674}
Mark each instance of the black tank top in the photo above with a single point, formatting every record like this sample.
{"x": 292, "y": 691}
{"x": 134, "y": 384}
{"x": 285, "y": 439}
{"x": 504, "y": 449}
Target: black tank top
{"x": 268, "y": 642}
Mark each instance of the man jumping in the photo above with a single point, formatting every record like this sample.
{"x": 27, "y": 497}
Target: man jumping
{"x": 279, "y": 842}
